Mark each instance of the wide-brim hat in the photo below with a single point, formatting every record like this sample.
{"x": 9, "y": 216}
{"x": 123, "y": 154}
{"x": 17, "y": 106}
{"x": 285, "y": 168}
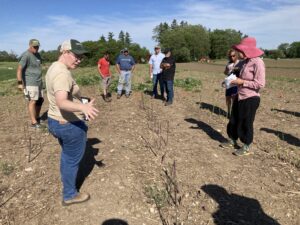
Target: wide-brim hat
{"x": 248, "y": 47}
{"x": 73, "y": 46}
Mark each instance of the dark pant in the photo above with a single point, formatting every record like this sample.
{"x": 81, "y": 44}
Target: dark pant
{"x": 232, "y": 126}
{"x": 246, "y": 115}
{"x": 168, "y": 84}
{"x": 157, "y": 78}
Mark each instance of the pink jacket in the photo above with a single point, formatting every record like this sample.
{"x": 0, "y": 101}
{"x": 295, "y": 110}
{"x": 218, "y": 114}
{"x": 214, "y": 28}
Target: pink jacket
{"x": 253, "y": 74}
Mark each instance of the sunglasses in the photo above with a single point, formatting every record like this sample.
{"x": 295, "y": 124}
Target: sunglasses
{"x": 78, "y": 57}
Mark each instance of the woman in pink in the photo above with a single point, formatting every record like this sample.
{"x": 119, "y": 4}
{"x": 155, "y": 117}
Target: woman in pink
{"x": 250, "y": 81}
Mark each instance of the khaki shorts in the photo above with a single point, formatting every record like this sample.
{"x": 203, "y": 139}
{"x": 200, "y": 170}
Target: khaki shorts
{"x": 106, "y": 81}
{"x": 33, "y": 93}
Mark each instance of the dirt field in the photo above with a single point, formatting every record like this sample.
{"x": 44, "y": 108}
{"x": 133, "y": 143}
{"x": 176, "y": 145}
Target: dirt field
{"x": 147, "y": 164}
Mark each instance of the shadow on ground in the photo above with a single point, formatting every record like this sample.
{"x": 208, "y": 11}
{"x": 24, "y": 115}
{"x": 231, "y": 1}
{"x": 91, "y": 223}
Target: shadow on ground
{"x": 290, "y": 139}
{"x": 211, "y": 132}
{"x": 236, "y": 209}
{"x": 115, "y": 222}
{"x": 212, "y": 108}
{"x": 297, "y": 114}
{"x": 88, "y": 161}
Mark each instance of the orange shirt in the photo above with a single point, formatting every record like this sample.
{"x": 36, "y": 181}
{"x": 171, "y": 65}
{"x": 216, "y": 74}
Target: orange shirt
{"x": 103, "y": 65}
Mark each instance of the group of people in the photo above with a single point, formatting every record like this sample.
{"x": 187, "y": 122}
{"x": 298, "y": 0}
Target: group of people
{"x": 161, "y": 68}
{"x": 68, "y": 110}
{"x": 162, "y": 71}
{"x": 243, "y": 98}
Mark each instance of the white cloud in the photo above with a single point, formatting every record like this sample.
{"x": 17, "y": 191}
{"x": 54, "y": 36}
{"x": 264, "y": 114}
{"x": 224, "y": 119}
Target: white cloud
{"x": 271, "y": 27}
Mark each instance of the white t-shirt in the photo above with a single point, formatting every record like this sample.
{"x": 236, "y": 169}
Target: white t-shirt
{"x": 155, "y": 61}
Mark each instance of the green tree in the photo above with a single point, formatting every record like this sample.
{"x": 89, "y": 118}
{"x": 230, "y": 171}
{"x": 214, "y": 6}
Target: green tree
{"x": 193, "y": 40}
{"x": 222, "y": 40}
{"x": 159, "y": 30}
{"x": 294, "y": 50}
{"x": 174, "y": 24}
{"x": 110, "y": 36}
{"x": 127, "y": 39}
{"x": 121, "y": 37}
{"x": 284, "y": 48}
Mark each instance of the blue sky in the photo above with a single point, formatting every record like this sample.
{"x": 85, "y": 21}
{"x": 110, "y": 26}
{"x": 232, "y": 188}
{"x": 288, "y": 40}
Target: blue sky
{"x": 271, "y": 22}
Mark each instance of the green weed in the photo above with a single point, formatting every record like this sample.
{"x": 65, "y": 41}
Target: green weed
{"x": 188, "y": 84}
{"x": 87, "y": 80}
{"x": 6, "y": 168}
{"x": 158, "y": 196}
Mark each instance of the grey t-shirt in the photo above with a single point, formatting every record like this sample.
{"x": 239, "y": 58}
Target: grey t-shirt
{"x": 31, "y": 69}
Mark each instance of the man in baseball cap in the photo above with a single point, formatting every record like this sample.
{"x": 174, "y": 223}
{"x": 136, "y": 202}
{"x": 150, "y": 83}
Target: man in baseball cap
{"x": 29, "y": 77}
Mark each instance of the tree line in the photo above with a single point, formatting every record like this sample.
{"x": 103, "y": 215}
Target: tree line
{"x": 188, "y": 42}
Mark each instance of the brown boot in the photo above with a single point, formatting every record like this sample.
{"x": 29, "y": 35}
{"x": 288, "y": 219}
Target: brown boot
{"x": 79, "y": 198}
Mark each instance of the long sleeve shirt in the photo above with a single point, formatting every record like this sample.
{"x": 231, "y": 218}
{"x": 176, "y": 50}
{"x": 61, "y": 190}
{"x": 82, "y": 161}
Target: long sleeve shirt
{"x": 253, "y": 74}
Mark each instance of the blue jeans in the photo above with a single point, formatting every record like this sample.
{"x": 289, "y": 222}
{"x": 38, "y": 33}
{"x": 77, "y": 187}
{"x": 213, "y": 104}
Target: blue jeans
{"x": 169, "y": 89}
{"x": 155, "y": 80}
{"x": 72, "y": 139}
{"x": 124, "y": 80}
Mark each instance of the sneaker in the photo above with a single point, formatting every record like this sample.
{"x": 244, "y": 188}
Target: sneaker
{"x": 118, "y": 96}
{"x": 79, "y": 198}
{"x": 242, "y": 151}
{"x": 107, "y": 99}
{"x": 127, "y": 95}
{"x": 230, "y": 144}
{"x": 168, "y": 103}
{"x": 37, "y": 126}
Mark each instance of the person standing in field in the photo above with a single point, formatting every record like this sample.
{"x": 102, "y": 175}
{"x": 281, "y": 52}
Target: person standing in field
{"x": 104, "y": 71}
{"x": 250, "y": 81}
{"x": 168, "y": 67}
{"x": 66, "y": 117}
{"x": 232, "y": 67}
{"x": 156, "y": 72}
{"x": 29, "y": 77}
{"x": 125, "y": 66}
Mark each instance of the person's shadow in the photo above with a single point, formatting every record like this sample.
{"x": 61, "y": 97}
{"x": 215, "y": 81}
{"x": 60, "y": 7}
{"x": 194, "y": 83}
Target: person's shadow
{"x": 88, "y": 161}
{"x": 290, "y": 139}
{"x": 212, "y": 108}
{"x": 115, "y": 222}
{"x": 297, "y": 114}
{"x": 210, "y": 131}
{"x": 236, "y": 209}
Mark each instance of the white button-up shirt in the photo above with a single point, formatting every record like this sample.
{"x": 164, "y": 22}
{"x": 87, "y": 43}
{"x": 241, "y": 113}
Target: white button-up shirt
{"x": 155, "y": 61}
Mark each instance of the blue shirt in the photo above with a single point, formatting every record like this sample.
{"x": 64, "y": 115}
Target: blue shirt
{"x": 125, "y": 62}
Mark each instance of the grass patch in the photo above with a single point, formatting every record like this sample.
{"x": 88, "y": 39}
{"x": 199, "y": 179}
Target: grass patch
{"x": 6, "y": 168}
{"x": 87, "y": 80}
{"x": 158, "y": 196}
{"x": 188, "y": 84}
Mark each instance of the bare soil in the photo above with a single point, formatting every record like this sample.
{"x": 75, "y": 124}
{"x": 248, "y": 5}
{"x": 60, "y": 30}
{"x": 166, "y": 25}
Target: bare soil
{"x": 137, "y": 145}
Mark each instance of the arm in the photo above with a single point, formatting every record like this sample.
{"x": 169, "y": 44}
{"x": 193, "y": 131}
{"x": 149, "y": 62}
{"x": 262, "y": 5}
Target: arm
{"x": 19, "y": 77}
{"x": 118, "y": 68}
{"x": 258, "y": 78}
{"x": 99, "y": 69}
{"x": 132, "y": 68}
{"x": 61, "y": 98}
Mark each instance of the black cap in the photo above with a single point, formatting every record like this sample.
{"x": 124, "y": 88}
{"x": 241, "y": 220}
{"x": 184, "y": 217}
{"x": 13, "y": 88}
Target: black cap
{"x": 166, "y": 50}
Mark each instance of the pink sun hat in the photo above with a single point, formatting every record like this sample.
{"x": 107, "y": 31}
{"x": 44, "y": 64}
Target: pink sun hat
{"x": 248, "y": 47}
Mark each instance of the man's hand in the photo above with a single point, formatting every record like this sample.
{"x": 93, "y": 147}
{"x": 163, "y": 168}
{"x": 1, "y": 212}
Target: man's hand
{"x": 89, "y": 110}
{"x": 20, "y": 87}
